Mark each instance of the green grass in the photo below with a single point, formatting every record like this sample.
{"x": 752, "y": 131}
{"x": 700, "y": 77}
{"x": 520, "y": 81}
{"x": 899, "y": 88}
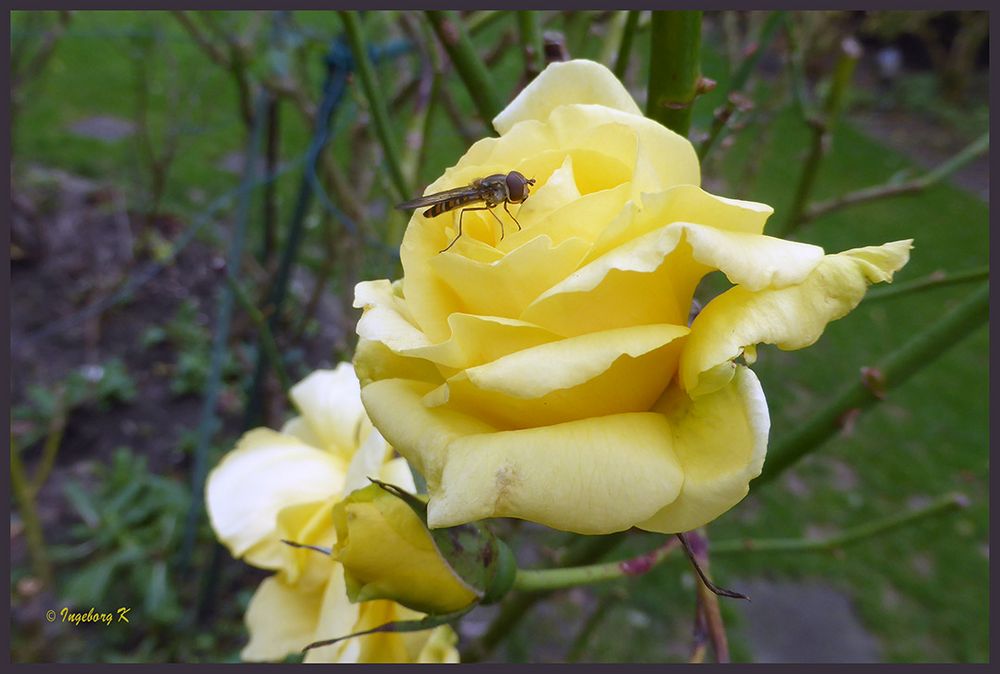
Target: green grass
{"x": 920, "y": 590}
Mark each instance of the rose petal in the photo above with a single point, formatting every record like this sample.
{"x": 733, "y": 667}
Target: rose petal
{"x": 307, "y": 524}
{"x": 417, "y": 432}
{"x": 506, "y": 286}
{"x": 335, "y": 617}
{"x": 266, "y": 472}
{"x": 481, "y": 339}
{"x": 720, "y": 440}
{"x": 591, "y": 375}
{"x": 367, "y": 461}
{"x": 683, "y": 203}
{"x": 330, "y": 403}
{"x": 652, "y": 278}
{"x": 281, "y": 621}
{"x": 577, "y": 81}
{"x": 792, "y": 318}
{"x": 661, "y": 158}
{"x": 622, "y": 465}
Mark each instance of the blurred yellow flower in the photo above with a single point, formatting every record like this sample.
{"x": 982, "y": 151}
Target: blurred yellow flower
{"x": 283, "y": 485}
{"x": 551, "y": 375}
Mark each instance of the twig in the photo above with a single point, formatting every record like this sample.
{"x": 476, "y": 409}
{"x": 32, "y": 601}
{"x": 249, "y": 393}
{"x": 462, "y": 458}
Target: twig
{"x": 892, "y": 189}
{"x": 674, "y": 68}
{"x": 821, "y": 126}
{"x": 266, "y": 336}
{"x": 921, "y": 350}
{"x": 724, "y": 114}
{"x": 936, "y": 280}
{"x": 709, "y": 616}
{"x": 939, "y": 506}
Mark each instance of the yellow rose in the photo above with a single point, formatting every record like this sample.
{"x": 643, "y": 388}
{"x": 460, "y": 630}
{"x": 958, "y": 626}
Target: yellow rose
{"x": 276, "y": 486}
{"x": 551, "y": 375}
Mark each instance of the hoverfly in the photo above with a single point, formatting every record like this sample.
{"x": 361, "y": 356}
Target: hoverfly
{"x": 511, "y": 188}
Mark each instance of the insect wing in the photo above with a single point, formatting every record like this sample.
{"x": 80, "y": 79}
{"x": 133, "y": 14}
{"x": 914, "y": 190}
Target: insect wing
{"x": 467, "y": 193}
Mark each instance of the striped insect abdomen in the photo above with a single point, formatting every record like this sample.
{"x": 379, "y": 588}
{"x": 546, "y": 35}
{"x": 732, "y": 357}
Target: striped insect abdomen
{"x": 451, "y": 204}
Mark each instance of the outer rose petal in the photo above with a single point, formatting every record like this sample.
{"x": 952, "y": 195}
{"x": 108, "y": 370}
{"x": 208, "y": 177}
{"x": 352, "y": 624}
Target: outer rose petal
{"x": 792, "y": 317}
{"x": 720, "y": 440}
{"x": 330, "y": 403}
{"x": 577, "y": 81}
{"x": 592, "y": 476}
{"x": 280, "y": 620}
{"x": 419, "y": 433}
{"x": 266, "y": 473}
{"x": 591, "y": 375}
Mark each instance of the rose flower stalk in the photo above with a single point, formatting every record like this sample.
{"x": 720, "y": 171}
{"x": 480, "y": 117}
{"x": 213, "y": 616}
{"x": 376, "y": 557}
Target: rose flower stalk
{"x": 550, "y": 374}
{"x": 284, "y": 485}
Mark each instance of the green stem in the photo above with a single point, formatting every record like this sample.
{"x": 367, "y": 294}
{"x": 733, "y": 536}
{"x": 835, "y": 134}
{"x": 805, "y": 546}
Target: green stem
{"x": 468, "y": 64}
{"x": 891, "y": 371}
{"x": 266, "y": 336}
{"x": 822, "y": 127}
{"x": 625, "y": 47}
{"x": 674, "y": 68}
{"x": 376, "y": 101}
{"x": 584, "y": 550}
{"x": 531, "y": 40}
{"x": 542, "y": 580}
{"x": 941, "y": 505}
{"x": 935, "y": 280}
{"x": 25, "y": 499}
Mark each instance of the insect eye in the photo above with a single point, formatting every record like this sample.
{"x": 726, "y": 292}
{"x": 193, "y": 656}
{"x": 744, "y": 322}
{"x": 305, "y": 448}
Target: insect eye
{"x": 516, "y": 186}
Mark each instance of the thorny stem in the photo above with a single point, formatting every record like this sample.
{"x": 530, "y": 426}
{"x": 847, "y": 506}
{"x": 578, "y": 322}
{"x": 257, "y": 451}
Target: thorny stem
{"x": 540, "y": 580}
{"x": 674, "y": 68}
{"x": 470, "y": 67}
{"x": 941, "y": 505}
{"x": 891, "y": 189}
{"x": 921, "y": 350}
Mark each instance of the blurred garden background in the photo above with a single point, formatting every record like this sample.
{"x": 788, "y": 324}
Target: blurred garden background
{"x": 195, "y": 195}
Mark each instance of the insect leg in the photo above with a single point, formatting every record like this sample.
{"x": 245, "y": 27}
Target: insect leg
{"x": 462, "y": 215}
{"x": 511, "y": 216}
